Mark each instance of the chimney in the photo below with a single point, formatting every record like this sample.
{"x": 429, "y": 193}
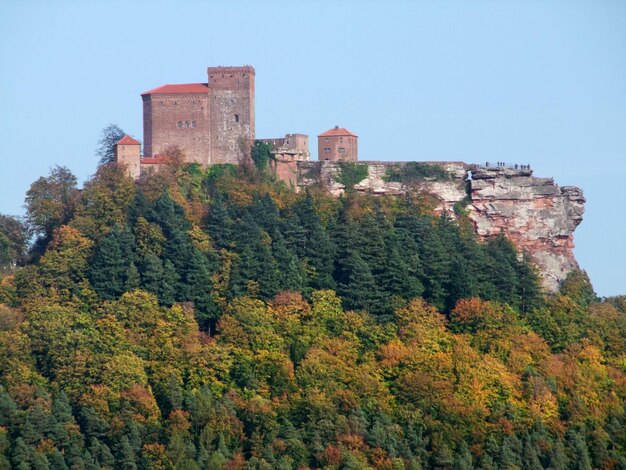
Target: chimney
{"x": 336, "y": 127}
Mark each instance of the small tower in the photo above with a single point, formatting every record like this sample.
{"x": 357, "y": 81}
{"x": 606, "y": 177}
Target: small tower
{"x": 337, "y": 145}
{"x": 127, "y": 152}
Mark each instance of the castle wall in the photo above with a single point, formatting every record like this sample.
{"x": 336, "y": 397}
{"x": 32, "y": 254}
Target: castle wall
{"x": 177, "y": 120}
{"x": 286, "y": 169}
{"x": 299, "y": 143}
{"x": 231, "y": 96}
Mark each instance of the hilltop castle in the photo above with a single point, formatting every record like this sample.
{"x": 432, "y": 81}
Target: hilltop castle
{"x": 212, "y": 123}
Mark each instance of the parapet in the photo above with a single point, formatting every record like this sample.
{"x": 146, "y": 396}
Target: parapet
{"x": 230, "y": 78}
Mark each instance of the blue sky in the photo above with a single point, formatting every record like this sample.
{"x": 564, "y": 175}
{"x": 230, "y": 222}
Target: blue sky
{"x": 532, "y": 82}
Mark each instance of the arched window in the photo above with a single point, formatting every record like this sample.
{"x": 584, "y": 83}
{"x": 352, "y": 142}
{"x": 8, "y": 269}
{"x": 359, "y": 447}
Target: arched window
{"x": 193, "y": 124}
{"x": 236, "y": 117}
{"x": 187, "y": 124}
{"x": 180, "y": 124}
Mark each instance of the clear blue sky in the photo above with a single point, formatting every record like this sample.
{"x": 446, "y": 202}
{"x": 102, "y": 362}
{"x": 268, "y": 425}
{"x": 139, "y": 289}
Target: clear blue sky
{"x": 539, "y": 82}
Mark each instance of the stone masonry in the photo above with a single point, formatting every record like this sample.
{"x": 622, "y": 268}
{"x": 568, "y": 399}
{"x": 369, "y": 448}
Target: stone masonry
{"x": 209, "y": 122}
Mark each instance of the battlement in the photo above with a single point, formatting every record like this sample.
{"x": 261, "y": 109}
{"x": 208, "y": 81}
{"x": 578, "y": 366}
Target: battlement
{"x": 230, "y": 78}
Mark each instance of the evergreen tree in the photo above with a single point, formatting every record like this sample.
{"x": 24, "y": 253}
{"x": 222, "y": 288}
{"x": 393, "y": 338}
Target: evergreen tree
{"x": 502, "y": 270}
{"x": 578, "y": 451}
{"x": 463, "y": 458}
{"x": 530, "y": 455}
{"x": 289, "y": 270}
{"x": 558, "y": 457}
{"x": 219, "y": 222}
{"x": 318, "y": 250}
{"x": 112, "y": 271}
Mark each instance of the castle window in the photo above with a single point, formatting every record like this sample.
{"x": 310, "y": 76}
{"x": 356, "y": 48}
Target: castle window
{"x": 236, "y": 117}
{"x": 193, "y": 124}
{"x": 340, "y": 139}
{"x": 187, "y": 124}
{"x": 180, "y": 124}
{"x": 326, "y": 149}
{"x": 342, "y": 150}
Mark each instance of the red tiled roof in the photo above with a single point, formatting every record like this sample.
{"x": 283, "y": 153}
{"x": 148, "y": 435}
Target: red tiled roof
{"x": 127, "y": 140}
{"x": 155, "y": 160}
{"x": 337, "y": 131}
{"x": 180, "y": 88}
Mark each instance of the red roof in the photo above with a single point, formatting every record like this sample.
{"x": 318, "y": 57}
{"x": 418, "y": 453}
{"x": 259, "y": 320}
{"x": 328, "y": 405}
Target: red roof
{"x": 337, "y": 131}
{"x": 127, "y": 140}
{"x": 155, "y": 160}
{"x": 181, "y": 88}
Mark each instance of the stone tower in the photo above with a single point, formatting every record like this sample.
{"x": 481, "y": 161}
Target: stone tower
{"x": 337, "y": 144}
{"x": 231, "y": 102}
{"x": 209, "y": 122}
{"x": 127, "y": 152}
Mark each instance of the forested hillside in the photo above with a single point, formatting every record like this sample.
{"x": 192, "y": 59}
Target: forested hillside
{"x": 215, "y": 319}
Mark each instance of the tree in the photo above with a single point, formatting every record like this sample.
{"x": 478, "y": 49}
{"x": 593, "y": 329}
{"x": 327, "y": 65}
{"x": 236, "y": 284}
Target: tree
{"x": 577, "y": 287}
{"x": 109, "y": 137}
{"x": 50, "y": 201}
{"x": 317, "y": 249}
{"x": 111, "y": 268}
{"x": 13, "y": 239}
{"x": 261, "y": 154}
{"x": 105, "y": 201}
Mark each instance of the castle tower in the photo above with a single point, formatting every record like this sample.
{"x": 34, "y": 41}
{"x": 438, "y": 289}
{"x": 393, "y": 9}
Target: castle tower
{"x": 209, "y": 122}
{"x": 231, "y": 101}
{"x": 337, "y": 144}
{"x": 127, "y": 152}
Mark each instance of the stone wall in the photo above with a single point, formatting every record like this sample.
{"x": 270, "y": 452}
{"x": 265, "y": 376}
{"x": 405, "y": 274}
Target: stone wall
{"x": 129, "y": 156}
{"x": 177, "y": 120}
{"x": 231, "y": 98}
{"x": 209, "y": 122}
{"x": 537, "y": 215}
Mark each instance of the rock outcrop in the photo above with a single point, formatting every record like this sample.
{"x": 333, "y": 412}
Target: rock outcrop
{"x": 537, "y": 215}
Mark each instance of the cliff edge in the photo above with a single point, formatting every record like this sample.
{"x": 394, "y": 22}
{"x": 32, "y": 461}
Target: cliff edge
{"x": 536, "y": 214}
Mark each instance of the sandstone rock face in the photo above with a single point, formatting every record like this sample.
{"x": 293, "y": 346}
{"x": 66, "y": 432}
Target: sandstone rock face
{"x": 538, "y": 216}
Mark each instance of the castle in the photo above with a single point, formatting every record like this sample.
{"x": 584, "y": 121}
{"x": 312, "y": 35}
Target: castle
{"x": 213, "y": 123}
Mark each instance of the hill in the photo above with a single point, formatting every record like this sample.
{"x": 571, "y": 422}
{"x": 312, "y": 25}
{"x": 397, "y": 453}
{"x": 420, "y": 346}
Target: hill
{"x": 217, "y": 319}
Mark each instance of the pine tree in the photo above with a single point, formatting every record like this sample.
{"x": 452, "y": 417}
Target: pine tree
{"x": 111, "y": 270}
{"x": 125, "y": 456}
{"x": 578, "y": 451}
{"x": 290, "y": 275}
{"x": 219, "y": 222}
{"x": 558, "y": 457}
{"x": 530, "y": 455}
{"x": 318, "y": 250}
{"x": 216, "y": 461}
{"x": 502, "y": 270}
{"x": 463, "y": 458}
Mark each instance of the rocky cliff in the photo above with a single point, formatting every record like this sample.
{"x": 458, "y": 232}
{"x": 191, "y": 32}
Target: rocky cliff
{"x": 537, "y": 215}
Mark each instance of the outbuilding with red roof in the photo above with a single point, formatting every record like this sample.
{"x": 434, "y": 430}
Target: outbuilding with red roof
{"x": 337, "y": 144}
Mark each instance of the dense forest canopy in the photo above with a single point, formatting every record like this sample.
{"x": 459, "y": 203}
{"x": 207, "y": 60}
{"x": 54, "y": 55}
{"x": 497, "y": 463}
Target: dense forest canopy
{"x": 208, "y": 319}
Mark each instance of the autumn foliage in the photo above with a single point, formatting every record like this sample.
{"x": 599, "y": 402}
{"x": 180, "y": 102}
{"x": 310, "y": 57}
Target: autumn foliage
{"x": 225, "y": 322}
